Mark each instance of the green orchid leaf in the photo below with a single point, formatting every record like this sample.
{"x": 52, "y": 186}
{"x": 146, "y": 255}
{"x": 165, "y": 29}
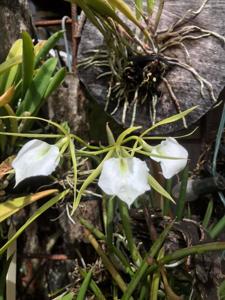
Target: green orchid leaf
{"x": 67, "y": 296}
{"x": 10, "y": 207}
{"x": 158, "y": 188}
{"x": 8, "y": 78}
{"x": 55, "y": 81}
{"x": 35, "y": 94}
{"x": 126, "y": 11}
{"x": 50, "y": 43}
{"x": 8, "y": 64}
{"x": 91, "y": 16}
{"x": 139, "y": 8}
{"x": 150, "y": 6}
{"x": 171, "y": 119}
{"x": 38, "y": 212}
{"x": 110, "y": 136}
{"x": 84, "y": 286}
{"x": 28, "y": 62}
{"x": 103, "y": 9}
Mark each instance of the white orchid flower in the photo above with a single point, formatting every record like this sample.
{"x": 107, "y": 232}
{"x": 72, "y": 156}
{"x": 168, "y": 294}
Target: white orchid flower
{"x": 34, "y": 159}
{"x": 170, "y": 148}
{"x": 126, "y": 178}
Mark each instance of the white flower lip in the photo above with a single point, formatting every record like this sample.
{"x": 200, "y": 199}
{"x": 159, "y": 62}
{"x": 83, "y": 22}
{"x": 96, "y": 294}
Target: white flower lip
{"x": 126, "y": 178}
{"x": 170, "y": 148}
{"x": 34, "y": 159}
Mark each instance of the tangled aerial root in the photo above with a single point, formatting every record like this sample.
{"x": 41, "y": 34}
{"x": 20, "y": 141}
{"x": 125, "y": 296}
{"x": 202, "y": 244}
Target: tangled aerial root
{"x": 135, "y": 72}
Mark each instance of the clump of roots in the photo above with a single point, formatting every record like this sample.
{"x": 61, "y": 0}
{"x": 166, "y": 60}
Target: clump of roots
{"x": 136, "y": 69}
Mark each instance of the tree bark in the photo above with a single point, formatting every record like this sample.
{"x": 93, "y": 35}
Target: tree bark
{"x": 14, "y": 18}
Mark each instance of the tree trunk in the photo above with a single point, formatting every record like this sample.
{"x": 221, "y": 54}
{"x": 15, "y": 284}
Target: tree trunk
{"x": 14, "y": 18}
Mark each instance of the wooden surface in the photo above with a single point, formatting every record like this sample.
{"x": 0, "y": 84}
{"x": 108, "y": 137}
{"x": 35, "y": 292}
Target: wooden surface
{"x": 207, "y": 56}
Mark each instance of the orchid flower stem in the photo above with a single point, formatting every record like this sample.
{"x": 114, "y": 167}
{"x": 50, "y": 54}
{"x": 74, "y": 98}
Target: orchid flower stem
{"x": 93, "y": 286}
{"x": 218, "y": 228}
{"x": 62, "y": 142}
{"x": 123, "y": 260}
{"x": 98, "y": 152}
{"x": 150, "y": 6}
{"x": 107, "y": 263}
{"x": 166, "y": 207}
{"x": 143, "y": 269}
{"x": 135, "y": 138}
{"x": 144, "y": 291}
{"x": 155, "y": 284}
{"x": 99, "y": 235}
{"x": 159, "y": 13}
{"x": 109, "y": 226}
{"x": 124, "y": 214}
{"x": 32, "y": 135}
{"x": 182, "y": 196}
{"x": 13, "y": 122}
{"x": 74, "y": 163}
{"x": 82, "y": 142}
{"x": 104, "y": 211}
{"x": 208, "y": 214}
{"x": 89, "y": 180}
{"x": 64, "y": 147}
{"x": 84, "y": 286}
{"x": 168, "y": 290}
{"x": 139, "y": 8}
{"x": 185, "y": 252}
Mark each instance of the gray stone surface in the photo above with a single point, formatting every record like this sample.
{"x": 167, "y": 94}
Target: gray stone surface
{"x": 207, "y": 56}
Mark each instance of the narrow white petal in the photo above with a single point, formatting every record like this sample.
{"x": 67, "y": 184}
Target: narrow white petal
{"x": 34, "y": 159}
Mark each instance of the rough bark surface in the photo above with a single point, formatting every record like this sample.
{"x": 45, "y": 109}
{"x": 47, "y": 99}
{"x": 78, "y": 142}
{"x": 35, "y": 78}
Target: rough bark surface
{"x": 206, "y": 56}
{"x": 68, "y": 104}
{"x": 14, "y": 18}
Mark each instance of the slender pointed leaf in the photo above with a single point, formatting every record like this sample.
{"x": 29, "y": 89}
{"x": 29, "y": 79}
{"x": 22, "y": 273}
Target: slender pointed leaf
{"x": 126, "y": 10}
{"x": 89, "y": 180}
{"x": 171, "y": 119}
{"x": 10, "y": 207}
{"x": 158, "y": 188}
{"x": 28, "y": 62}
{"x": 38, "y": 212}
{"x": 150, "y": 6}
{"x": 84, "y": 286}
{"x": 142, "y": 270}
{"x": 44, "y": 50}
{"x": 55, "y": 81}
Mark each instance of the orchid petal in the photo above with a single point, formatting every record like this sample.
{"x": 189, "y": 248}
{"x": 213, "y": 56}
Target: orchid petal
{"x": 126, "y": 178}
{"x": 170, "y": 148}
{"x": 34, "y": 159}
